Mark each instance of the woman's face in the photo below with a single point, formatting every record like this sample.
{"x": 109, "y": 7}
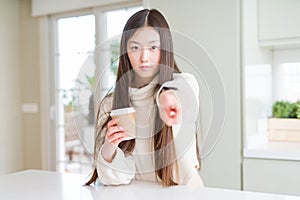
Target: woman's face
{"x": 144, "y": 53}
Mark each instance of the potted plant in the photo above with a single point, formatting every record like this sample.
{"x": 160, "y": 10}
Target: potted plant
{"x": 91, "y": 114}
{"x": 284, "y": 125}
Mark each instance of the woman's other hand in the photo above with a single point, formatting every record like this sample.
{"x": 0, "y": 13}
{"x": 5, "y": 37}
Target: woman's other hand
{"x": 169, "y": 107}
{"x": 114, "y": 136}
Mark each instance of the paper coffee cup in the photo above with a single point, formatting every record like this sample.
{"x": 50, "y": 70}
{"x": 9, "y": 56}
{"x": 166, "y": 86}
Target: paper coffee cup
{"x": 126, "y": 117}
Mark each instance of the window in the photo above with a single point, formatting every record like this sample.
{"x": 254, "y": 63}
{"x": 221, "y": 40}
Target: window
{"x": 76, "y": 40}
{"x": 264, "y": 85}
{"x": 75, "y": 79}
{"x": 258, "y": 99}
{"x": 288, "y": 81}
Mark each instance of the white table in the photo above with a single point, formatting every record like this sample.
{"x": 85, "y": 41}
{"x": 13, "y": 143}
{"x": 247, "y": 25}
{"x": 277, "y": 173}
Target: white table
{"x": 43, "y": 185}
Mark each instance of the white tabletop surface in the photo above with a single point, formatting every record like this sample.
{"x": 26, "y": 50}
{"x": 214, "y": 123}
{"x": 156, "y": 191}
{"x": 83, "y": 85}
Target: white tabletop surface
{"x": 43, "y": 185}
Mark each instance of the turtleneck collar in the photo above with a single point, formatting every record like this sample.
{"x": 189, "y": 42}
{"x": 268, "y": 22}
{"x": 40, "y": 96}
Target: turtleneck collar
{"x": 143, "y": 94}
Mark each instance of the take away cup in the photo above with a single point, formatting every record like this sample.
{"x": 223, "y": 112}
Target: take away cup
{"x": 126, "y": 117}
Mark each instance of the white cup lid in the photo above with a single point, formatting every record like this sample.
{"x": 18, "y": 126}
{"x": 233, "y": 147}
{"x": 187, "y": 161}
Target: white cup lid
{"x": 122, "y": 111}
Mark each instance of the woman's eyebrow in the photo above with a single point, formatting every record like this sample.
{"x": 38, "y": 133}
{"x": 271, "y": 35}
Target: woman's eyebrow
{"x": 133, "y": 42}
{"x": 152, "y": 41}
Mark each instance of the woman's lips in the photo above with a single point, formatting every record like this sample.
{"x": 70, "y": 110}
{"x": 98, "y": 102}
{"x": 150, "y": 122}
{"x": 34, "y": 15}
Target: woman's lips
{"x": 144, "y": 67}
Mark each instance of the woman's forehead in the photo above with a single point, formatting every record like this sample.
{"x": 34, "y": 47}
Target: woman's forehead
{"x": 145, "y": 35}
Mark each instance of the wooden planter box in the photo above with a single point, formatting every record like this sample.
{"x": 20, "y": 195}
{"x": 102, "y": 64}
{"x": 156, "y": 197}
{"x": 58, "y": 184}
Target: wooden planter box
{"x": 284, "y": 129}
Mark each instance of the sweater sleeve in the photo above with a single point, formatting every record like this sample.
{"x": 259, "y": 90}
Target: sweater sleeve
{"x": 186, "y": 88}
{"x": 120, "y": 171}
{"x": 122, "y": 168}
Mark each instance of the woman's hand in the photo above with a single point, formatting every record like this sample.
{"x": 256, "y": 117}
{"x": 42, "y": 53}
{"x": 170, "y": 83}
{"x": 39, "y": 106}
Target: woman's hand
{"x": 114, "y": 136}
{"x": 169, "y": 107}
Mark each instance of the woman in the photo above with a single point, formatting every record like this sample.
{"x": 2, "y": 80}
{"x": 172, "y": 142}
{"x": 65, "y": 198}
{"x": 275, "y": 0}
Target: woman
{"x": 166, "y": 104}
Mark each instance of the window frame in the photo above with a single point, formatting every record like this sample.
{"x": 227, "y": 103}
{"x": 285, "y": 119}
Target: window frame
{"x": 48, "y": 36}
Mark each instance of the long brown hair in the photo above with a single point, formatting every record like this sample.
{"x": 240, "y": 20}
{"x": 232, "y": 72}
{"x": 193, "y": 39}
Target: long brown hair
{"x": 165, "y": 161}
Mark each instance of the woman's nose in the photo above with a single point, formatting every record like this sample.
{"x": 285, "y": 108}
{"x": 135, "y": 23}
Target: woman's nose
{"x": 145, "y": 55}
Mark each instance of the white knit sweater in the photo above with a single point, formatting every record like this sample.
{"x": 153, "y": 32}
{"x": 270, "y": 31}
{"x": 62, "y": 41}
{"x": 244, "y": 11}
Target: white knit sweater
{"x": 140, "y": 164}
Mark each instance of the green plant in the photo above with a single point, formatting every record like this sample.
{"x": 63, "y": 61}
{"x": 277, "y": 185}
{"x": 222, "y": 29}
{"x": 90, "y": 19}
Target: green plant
{"x": 297, "y": 109}
{"x": 115, "y": 45}
{"x": 68, "y": 98}
{"x": 91, "y": 80}
{"x": 282, "y": 109}
{"x": 286, "y": 109}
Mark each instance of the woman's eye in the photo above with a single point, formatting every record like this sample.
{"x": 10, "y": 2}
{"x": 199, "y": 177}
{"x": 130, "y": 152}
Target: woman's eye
{"x": 134, "y": 48}
{"x": 154, "y": 48}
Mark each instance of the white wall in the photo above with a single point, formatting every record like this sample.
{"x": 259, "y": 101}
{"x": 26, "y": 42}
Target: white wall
{"x": 216, "y": 25}
{"x": 10, "y": 94}
{"x": 30, "y": 85}
{"x": 253, "y": 54}
{"x": 20, "y": 139}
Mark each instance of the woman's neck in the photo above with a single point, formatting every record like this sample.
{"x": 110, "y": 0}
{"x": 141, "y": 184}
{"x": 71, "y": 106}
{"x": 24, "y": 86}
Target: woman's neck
{"x": 139, "y": 82}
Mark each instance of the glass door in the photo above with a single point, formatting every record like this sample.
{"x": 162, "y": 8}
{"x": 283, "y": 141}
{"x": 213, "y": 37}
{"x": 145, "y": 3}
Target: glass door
{"x": 76, "y": 41}
{"x": 80, "y": 77}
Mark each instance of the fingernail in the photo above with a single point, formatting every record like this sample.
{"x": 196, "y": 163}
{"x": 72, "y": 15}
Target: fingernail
{"x": 172, "y": 113}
